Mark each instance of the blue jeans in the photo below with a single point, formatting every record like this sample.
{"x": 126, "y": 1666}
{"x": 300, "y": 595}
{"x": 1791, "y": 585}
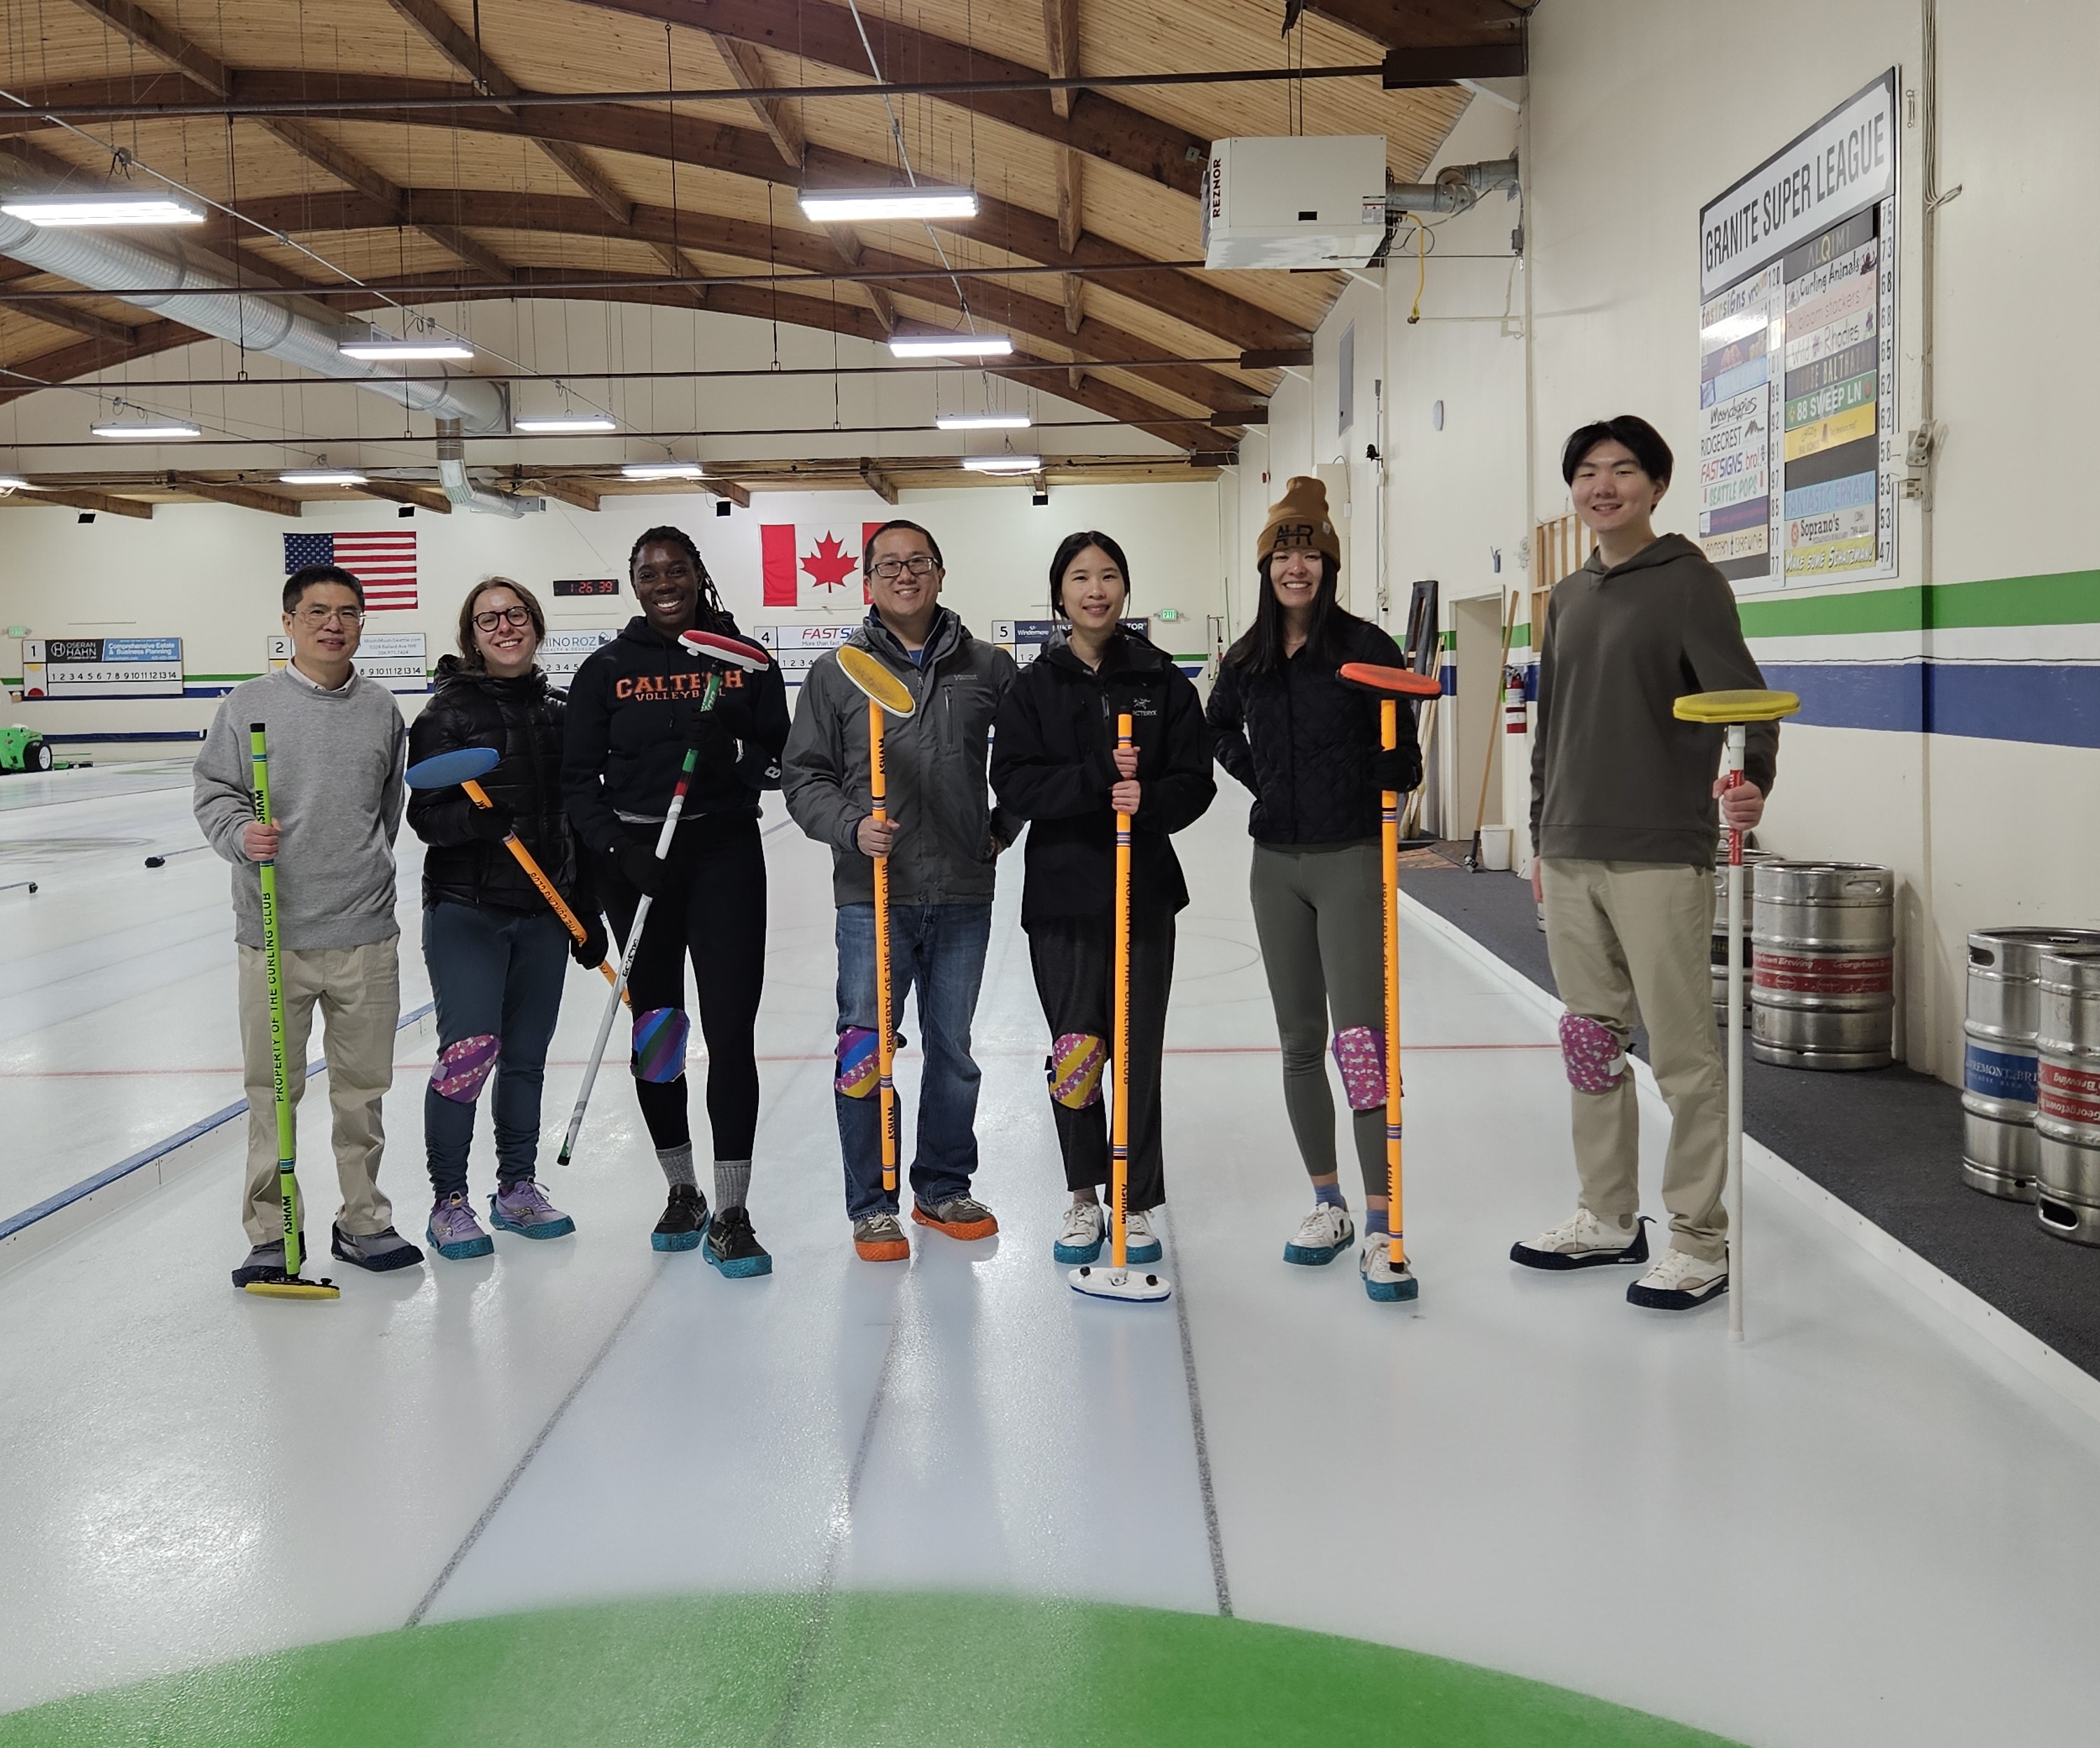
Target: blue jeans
{"x": 940, "y": 949}
{"x": 496, "y": 972}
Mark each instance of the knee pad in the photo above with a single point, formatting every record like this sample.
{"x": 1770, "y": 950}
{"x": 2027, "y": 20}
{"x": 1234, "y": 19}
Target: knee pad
{"x": 1074, "y": 1068}
{"x": 660, "y": 1044}
{"x": 860, "y": 1063}
{"x": 1590, "y": 1050}
{"x": 463, "y": 1068}
{"x": 1360, "y": 1054}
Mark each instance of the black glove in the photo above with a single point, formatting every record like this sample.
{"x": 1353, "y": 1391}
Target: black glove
{"x": 714, "y": 745}
{"x": 491, "y": 824}
{"x": 1395, "y": 768}
{"x": 639, "y": 868}
{"x": 589, "y": 952}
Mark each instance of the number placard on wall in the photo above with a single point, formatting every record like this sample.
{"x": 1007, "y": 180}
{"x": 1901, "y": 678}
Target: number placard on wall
{"x": 101, "y": 667}
{"x": 1799, "y": 459}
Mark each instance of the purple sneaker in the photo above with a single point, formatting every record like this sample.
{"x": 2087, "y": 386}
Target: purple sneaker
{"x": 455, "y": 1233}
{"x": 521, "y": 1208}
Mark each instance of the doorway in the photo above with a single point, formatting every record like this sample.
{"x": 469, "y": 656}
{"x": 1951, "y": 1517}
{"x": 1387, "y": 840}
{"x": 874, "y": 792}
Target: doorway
{"x": 1477, "y": 627}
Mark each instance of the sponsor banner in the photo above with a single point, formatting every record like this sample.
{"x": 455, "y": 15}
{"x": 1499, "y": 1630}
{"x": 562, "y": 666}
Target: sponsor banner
{"x": 1842, "y": 462}
{"x": 1728, "y": 491}
{"x": 1833, "y": 525}
{"x": 1740, "y": 433}
{"x": 1754, "y": 513}
{"x": 396, "y": 658}
{"x": 1748, "y": 543}
{"x": 1724, "y": 470}
{"x": 1741, "y": 411}
{"x": 1834, "y": 305}
{"x": 1863, "y": 326}
{"x": 564, "y": 651}
{"x": 1841, "y": 239}
{"x": 1828, "y": 560}
{"x": 101, "y": 667}
{"x": 1028, "y": 636}
{"x": 1838, "y": 397}
{"x": 1837, "y": 367}
{"x": 1735, "y": 353}
{"x": 1846, "y": 161}
{"x": 1730, "y": 383}
{"x": 1828, "y": 434}
{"x": 1828, "y": 277}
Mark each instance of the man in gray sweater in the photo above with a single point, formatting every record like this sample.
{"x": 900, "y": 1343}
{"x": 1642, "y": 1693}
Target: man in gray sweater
{"x": 1623, "y": 833}
{"x": 942, "y": 839}
{"x": 336, "y": 742}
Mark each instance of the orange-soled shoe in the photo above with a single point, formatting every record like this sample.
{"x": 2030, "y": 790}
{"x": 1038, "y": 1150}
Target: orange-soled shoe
{"x": 965, "y": 1217}
{"x": 877, "y": 1237}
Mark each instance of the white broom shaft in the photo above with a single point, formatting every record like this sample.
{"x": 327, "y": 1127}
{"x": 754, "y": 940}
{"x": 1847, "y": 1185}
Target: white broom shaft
{"x": 1732, "y": 770}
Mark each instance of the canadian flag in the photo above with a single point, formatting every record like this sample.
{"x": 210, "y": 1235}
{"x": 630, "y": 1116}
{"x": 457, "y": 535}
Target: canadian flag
{"x": 813, "y": 563}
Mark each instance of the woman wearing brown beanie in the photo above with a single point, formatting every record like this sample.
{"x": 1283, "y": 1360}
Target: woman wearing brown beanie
{"x": 1306, "y": 746}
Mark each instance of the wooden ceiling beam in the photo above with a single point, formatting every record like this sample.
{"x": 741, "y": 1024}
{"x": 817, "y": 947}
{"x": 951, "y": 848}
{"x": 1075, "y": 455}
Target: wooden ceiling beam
{"x": 823, "y": 32}
{"x": 779, "y": 125}
{"x": 877, "y": 481}
{"x": 737, "y": 493}
{"x": 66, "y": 364}
{"x": 1060, "y": 38}
{"x": 401, "y": 492}
{"x": 1418, "y": 24}
{"x": 576, "y": 493}
{"x": 61, "y": 313}
{"x": 231, "y": 492}
{"x": 97, "y": 503}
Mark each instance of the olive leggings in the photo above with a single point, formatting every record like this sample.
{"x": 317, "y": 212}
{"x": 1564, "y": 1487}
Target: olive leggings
{"x": 1319, "y": 912}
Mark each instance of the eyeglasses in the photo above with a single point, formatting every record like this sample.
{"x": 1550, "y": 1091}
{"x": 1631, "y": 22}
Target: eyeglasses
{"x": 502, "y": 616}
{"x": 320, "y": 616}
{"x": 918, "y": 564}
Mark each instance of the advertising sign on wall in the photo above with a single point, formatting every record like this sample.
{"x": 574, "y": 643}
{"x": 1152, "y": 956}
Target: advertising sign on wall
{"x": 101, "y": 667}
{"x": 1798, "y": 446}
{"x": 796, "y": 647}
{"x": 564, "y": 651}
{"x": 394, "y": 658}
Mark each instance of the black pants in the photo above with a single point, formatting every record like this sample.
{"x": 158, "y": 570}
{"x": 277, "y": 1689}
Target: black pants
{"x": 712, "y": 906}
{"x": 1074, "y": 964}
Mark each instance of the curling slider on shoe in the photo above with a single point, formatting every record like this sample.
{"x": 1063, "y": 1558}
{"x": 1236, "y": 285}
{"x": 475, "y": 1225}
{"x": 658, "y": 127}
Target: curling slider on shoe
{"x": 877, "y": 1237}
{"x": 1080, "y": 1238}
{"x": 1383, "y": 1283}
{"x": 962, "y": 1217}
{"x": 732, "y": 1248}
{"x": 453, "y": 1232}
{"x": 381, "y": 1252}
{"x": 522, "y": 1207}
{"x": 1678, "y": 1282}
{"x": 1325, "y": 1234}
{"x": 684, "y": 1220}
{"x": 1584, "y": 1242}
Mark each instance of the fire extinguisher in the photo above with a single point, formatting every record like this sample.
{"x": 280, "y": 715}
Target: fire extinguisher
{"x": 1513, "y": 719}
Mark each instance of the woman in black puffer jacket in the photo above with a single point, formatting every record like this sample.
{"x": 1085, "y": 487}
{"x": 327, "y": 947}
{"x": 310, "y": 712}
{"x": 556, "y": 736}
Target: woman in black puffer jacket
{"x": 493, "y": 944}
{"x": 1307, "y": 745}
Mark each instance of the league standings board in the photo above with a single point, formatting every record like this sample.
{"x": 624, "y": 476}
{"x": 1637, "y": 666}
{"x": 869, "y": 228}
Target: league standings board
{"x": 1799, "y": 459}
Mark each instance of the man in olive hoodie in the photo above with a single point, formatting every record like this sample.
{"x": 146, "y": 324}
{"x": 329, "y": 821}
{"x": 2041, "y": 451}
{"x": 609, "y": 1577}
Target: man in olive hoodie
{"x": 1624, "y": 832}
{"x": 942, "y": 838}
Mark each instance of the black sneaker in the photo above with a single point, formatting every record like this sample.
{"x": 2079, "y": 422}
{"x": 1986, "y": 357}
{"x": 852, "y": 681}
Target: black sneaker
{"x": 685, "y": 1219}
{"x": 733, "y": 1246}
{"x": 381, "y": 1251}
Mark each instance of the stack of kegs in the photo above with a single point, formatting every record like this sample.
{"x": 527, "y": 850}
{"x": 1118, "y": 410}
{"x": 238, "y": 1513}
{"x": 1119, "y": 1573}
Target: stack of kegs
{"x": 1822, "y": 967}
{"x": 2067, "y": 1117}
{"x": 1717, "y": 956}
{"x": 1999, "y": 1067}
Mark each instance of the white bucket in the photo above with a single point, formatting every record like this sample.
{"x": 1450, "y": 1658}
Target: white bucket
{"x": 1495, "y": 849}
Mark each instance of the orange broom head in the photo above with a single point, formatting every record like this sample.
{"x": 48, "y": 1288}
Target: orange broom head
{"x": 1390, "y": 683}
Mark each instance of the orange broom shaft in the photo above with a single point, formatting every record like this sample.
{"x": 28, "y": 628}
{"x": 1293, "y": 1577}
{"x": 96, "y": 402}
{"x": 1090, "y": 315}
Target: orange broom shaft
{"x": 1119, "y": 1130}
{"x": 479, "y": 797}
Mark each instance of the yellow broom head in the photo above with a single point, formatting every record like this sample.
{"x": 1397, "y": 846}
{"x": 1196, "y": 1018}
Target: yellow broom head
{"x": 1736, "y": 707}
{"x": 876, "y": 682}
{"x": 291, "y": 1286}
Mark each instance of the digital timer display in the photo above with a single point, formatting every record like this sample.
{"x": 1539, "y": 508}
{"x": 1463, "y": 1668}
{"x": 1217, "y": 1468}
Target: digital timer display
{"x": 586, "y": 586}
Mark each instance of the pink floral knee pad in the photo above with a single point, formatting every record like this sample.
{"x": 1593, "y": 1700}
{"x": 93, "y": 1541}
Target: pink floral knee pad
{"x": 1074, "y": 1069}
{"x": 1590, "y": 1050}
{"x": 462, "y": 1068}
{"x": 1360, "y": 1054}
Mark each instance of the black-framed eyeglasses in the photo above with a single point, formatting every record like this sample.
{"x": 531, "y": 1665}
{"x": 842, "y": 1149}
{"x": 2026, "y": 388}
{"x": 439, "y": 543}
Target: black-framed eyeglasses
{"x": 320, "y": 616}
{"x": 918, "y": 564}
{"x": 502, "y": 616}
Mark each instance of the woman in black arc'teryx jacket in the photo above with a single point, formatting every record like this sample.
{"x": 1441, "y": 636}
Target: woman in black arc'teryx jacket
{"x": 1307, "y": 745}
{"x": 493, "y": 944}
{"x": 1054, "y": 763}
{"x": 634, "y": 708}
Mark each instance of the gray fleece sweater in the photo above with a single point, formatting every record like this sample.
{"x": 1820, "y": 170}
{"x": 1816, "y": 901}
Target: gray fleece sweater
{"x": 1615, "y": 777}
{"x": 335, "y": 787}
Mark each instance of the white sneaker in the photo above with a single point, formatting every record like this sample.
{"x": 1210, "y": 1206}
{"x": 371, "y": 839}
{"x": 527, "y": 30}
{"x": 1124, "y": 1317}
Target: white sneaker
{"x": 1678, "y": 1282}
{"x": 1585, "y": 1242}
{"x": 1139, "y": 1243}
{"x": 1382, "y": 1281}
{"x": 1079, "y": 1238}
{"x": 1322, "y": 1236}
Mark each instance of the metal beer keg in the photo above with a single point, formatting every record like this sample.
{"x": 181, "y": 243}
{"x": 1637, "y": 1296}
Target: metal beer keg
{"x": 1717, "y": 949}
{"x": 2067, "y": 1095}
{"x": 1823, "y": 968}
{"x": 1999, "y": 1057}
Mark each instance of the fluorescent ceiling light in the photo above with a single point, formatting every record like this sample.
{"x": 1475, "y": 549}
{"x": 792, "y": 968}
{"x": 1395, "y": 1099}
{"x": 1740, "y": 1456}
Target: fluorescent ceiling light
{"x": 100, "y": 209}
{"x": 952, "y": 346}
{"x": 566, "y": 422}
{"x": 383, "y": 350}
{"x": 159, "y": 428}
{"x": 848, "y": 206}
{"x": 1003, "y": 463}
{"x": 661, "y": 470}
{"x": 983, "y": 422}
{"x": 321, "y": 476}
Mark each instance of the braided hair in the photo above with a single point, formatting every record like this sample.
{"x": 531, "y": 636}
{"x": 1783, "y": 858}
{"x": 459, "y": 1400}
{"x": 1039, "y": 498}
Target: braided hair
{"x": 710, "y": 614}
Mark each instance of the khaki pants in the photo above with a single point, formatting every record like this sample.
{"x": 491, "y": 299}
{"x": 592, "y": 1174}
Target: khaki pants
{"x": 1629, "y": 942}
{"x": 358, "y": 989}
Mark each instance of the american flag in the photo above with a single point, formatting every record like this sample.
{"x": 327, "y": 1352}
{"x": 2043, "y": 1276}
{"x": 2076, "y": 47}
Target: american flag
{"x": 384, "y": 563}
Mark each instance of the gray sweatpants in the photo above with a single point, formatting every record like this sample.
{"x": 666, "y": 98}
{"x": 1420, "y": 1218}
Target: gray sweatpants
{"x": 1319, "y": 912}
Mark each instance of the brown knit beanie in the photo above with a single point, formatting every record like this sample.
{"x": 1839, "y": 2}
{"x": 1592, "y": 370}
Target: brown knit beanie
{"x": 1300, "y": 514}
